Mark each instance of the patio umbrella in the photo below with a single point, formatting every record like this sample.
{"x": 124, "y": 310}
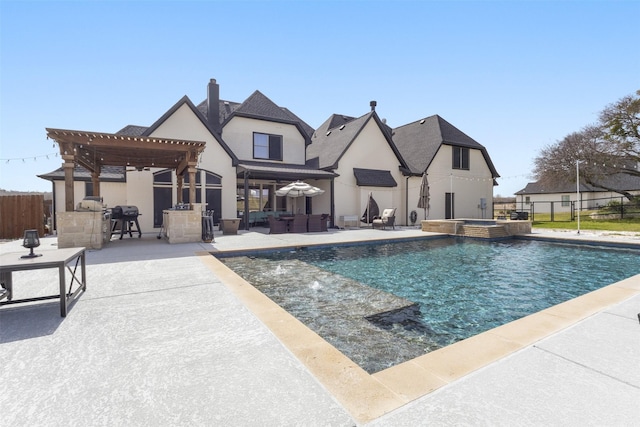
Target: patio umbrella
{"x": 371, "y": 211}
{"x": 423, "y": 201}
{"x": 299, "y": 189}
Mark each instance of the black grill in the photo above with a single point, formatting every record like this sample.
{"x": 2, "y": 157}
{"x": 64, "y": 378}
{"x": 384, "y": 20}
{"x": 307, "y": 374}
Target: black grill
{"x": 123, "y": 219}
{"x": 120, "y": 212}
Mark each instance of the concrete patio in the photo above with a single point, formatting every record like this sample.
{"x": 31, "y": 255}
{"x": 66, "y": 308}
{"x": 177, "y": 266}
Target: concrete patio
{"x": 160, "y": 338}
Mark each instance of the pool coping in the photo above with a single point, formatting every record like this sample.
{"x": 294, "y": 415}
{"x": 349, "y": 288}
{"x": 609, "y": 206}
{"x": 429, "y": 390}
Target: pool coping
{"x": 369, "y": 396}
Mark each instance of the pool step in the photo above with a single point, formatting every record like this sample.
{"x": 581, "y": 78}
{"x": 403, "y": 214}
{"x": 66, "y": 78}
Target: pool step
{"x": 373, "y": 328}
{"x": 483, "y": 231}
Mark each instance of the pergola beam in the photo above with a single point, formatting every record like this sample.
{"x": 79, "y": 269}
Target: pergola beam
{"x": 92, "y": 150}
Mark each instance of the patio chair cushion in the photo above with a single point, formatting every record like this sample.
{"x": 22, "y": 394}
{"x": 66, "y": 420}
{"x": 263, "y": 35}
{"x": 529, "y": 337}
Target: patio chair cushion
{"x": 388, "y": 213}
{"x": 387, "y": 219}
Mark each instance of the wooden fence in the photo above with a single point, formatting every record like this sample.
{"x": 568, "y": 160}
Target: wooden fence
{"x": 23, "y": 212}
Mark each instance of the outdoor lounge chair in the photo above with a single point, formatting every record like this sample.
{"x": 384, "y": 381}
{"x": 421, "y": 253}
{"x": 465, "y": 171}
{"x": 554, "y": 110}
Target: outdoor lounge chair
{"x": 299, "y": 224}
{"x": 387, "y": 219}
{"x": 277, "y": 226}
{"x": 323, "y": 222}
{"x": 315, "y": 223}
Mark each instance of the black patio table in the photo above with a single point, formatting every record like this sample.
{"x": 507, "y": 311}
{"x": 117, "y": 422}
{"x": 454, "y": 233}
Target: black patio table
{"x": 58, "y": 258}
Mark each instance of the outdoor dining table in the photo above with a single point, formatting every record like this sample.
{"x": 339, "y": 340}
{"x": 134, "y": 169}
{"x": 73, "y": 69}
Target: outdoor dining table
{"x": 62, "y": 259}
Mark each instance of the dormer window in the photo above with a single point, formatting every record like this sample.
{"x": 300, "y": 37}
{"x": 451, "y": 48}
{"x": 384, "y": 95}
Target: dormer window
{"x": 267, "y": 147}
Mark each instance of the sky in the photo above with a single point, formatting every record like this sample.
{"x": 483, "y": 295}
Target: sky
{"x": 515, "y": 76}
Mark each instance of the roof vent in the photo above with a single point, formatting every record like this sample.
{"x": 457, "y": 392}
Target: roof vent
{"x": 373, "y": 105}
{"x": 422, "y": 121}
{"x": 341, "y": 127}
{"x": 328, "y": 133}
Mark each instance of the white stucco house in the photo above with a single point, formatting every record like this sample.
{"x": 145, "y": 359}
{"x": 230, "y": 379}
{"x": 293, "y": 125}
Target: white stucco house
{"x": 254, "y": 147}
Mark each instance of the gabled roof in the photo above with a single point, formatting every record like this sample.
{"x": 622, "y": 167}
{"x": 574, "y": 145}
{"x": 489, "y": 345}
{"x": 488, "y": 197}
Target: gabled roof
{"x": 332, "y": 139}
{"x": 186, "y": 101}
{"x": 258, "y": 106}
{"x": 617, "y": 182}
{"x": 418, "y": 142}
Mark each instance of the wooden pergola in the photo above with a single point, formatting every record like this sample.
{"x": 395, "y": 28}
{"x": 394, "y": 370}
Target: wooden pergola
{"x": 92, "y": 150}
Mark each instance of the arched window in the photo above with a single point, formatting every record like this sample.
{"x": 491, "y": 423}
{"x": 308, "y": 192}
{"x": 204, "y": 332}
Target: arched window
{"x": 164, "y": 183}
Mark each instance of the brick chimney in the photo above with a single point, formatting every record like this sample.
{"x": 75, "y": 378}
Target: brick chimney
{"x": 213, "y": 105}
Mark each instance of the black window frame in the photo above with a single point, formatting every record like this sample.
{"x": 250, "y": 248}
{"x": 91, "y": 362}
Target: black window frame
{"x": 460, "y": 158}
{"x": 274, "y": 147}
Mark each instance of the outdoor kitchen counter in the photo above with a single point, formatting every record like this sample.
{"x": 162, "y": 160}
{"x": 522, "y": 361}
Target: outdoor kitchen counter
{"x": 183, "y": 226}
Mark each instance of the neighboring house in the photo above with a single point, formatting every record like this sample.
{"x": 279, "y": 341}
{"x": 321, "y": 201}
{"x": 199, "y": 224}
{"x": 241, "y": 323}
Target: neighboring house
{"x": 255, "y": 147}
{"x": 561, "y": 196}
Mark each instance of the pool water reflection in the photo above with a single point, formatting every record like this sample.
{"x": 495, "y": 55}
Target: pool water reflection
{"x": 383, "y": 304}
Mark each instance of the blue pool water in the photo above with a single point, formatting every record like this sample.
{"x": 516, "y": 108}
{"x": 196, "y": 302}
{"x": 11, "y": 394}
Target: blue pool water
{"x": 461, "y": 287}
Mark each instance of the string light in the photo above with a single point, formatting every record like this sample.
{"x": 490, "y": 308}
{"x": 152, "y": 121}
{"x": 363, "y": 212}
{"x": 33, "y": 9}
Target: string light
{"x": 24, "y": 159}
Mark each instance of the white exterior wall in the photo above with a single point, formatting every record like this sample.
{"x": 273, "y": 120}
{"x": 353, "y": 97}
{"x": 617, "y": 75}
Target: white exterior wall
{"x": 238, "y": 134}
{"x": 112, "y": 193}
{"x": 183, "y": 124}
{"x": 140, "y": 194}
{"x": 370, "y": 150}
{"x": 468, "y": 186}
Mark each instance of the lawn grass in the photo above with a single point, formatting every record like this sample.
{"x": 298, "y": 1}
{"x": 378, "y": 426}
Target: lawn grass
{"x": 563, "y": 221}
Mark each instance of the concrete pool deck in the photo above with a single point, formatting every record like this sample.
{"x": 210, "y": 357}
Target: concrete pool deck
{"x": 165, "y": 336}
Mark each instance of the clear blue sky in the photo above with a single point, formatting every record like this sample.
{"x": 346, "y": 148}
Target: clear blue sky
{"x": 515, "y": 76}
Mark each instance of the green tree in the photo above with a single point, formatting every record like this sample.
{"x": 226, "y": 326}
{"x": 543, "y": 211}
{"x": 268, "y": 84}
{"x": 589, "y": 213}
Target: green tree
{"x": 605, "y": 151}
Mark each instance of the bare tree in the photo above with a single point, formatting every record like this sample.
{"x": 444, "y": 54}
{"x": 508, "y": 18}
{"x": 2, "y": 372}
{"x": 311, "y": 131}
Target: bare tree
{"x": 604, "y": 151}
{"x": 621, "y": 125}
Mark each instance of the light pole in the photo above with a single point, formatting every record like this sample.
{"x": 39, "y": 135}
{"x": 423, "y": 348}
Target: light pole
{"x": 578, "y": 192}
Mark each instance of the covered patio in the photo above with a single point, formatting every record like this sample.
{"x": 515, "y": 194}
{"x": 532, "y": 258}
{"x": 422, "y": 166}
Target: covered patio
{"x": 271, "y": 176}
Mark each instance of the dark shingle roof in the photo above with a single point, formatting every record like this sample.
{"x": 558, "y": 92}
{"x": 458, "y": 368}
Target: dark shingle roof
{"x": 107, "y": 174}
{"x": 333, "y": 137}
{"x": 132, "y": 130}
{"x": 374, "y": 178}
{"x": 418, "y": 142}
{"x": 260, "y": 107}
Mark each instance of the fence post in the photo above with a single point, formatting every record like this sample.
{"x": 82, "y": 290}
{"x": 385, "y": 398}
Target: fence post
{"x": 552, "y": 205}
{"x": 532, "y": 212}
{"x": 573, "y": 210}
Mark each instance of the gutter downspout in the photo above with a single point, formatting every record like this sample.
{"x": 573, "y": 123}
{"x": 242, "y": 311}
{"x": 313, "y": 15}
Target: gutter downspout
{"x": 246, "y": 200}
{"x": 406, "y": 200}
{"x": 333, "y": 204}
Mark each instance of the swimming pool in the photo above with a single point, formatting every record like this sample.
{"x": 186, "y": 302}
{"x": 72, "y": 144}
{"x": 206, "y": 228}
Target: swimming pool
{"x": 383, "y": 304}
